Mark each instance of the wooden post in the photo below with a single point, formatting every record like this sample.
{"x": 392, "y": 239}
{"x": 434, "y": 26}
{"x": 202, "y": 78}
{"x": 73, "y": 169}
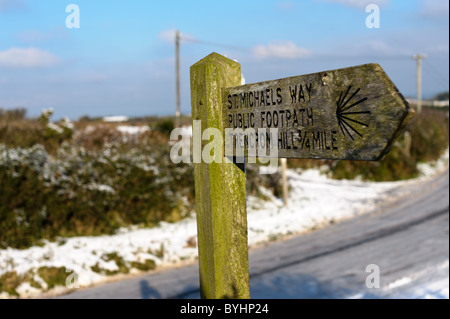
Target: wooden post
{"x": 284, "y": 180}
{"x": 353, "y": 113}
{"x": 219, "y": 190}
{"x": 407, "y": 143}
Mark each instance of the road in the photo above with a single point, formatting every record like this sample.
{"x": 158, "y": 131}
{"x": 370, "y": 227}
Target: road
{"x": 406, "y": 239}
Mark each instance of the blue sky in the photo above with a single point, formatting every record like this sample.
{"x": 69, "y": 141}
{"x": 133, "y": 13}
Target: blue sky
{"x": 121, "y": 59}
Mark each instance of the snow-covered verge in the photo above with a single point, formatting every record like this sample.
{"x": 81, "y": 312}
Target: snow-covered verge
{"x": 314, "y": 201}
{"x": 429, "y": 283}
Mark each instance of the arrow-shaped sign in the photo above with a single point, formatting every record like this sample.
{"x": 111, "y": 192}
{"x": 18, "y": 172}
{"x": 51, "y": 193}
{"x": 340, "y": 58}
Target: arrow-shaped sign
{"x": 353, "y": 113}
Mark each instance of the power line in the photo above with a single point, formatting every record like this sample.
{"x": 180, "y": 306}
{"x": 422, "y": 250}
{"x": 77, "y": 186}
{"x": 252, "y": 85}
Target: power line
{"x": 226, "y": 46}
{"x": 344, "y": 57}
{"x": 249, "y": 50}
{"x": 435, "y": 72}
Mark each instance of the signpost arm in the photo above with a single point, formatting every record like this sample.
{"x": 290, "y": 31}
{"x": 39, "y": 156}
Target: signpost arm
{"x": 219, "y": 189}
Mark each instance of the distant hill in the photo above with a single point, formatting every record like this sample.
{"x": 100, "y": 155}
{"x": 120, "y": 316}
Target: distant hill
{"x": 441, "y": 96}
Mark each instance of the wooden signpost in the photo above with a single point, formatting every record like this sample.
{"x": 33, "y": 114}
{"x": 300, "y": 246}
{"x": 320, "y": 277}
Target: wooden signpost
{"x": 353, "y": 113}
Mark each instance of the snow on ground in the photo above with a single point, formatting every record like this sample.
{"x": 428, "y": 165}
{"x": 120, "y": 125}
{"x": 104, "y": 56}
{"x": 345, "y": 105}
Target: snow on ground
{"x": 186, "y": 130}
{"x": 132, "y": 130}
{"x": 428, "y": 283}
{"x": 115, "y": 119}
{"x": 314, "y": 201}
{"x": 425, "y": 284}
{"x": 428, "y": 169}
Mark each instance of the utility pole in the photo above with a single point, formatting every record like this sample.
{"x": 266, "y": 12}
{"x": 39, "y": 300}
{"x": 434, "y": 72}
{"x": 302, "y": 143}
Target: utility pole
{"x": 418, "y": 59}
{"x": 177, "y": 79}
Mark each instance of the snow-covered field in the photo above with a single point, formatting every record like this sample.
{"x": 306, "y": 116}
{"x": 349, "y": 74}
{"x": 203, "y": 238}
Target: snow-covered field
{"x": 314, "y": 201}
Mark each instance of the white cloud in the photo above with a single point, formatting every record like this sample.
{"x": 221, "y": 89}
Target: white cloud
{"x": 36, "y": 36}
{"x": 439, "y": 48}
{"x": 435, "y": 9}
{"x": 286, "y": 5}
{"x": 360, "y": 4}
{"x": 6, "y": 5}
{"x": 374, "y": 47}
{"x": 168, "y": 36}
{"x": 284, "y": 50}
{"x": 19, "y": 58}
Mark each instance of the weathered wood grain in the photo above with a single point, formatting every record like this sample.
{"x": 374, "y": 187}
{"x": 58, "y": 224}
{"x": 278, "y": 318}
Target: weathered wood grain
{"x": 352, "y": 113}
{"x": 219, "y": 190}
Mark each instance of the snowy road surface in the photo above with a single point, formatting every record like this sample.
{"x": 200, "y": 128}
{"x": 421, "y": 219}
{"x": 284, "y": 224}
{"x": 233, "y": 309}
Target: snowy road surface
{"x": 407, "y": 239}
